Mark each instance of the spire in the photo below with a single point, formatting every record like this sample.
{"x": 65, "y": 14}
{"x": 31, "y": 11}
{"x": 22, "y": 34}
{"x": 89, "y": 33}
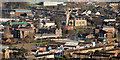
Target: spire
{"x": 67, "y": 17}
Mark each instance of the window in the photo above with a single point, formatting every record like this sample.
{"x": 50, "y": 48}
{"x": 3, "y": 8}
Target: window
{"x": 76, "y": 22}
{"x": 83, "y": 22}
{"x": 76, "y": 18}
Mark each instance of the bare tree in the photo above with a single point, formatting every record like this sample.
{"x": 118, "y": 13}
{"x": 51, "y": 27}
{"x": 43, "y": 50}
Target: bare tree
{"x": 57, "y": 20}
{"x": 6, "y": 33}
{"x": 15, "y": 5}
{"x": 31, "y": 33}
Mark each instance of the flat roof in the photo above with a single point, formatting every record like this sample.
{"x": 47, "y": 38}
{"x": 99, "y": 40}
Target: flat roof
{"x": 20, "y": 10}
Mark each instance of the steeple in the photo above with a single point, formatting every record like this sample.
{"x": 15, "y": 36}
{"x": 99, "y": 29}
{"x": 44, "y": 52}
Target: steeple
{"x": 7, "y": 55}
{"x": 67, "y": 17}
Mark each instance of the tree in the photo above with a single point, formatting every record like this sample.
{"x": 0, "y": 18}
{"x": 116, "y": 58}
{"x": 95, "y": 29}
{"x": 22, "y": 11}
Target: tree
{"x": 56, "y": 18}
{"x": 102, "y": 11}
{"x": 6, "y": 33}
{"x": 23, "y": 51}
{"x": 36, "y": 15}
{"x": 16, "y": 5}
{"x": 71, "y": 32}
{"x": 64, "y": 30}
{"x": 85, "y": 31}
{"x": 31, "y": 33}
{"x": 97, "y": 21}
{"x": 22, "y": 19}
{"x": 5, "y": 15}
{"x": 59, "y": 25}
{"x": 119, "y": 6}
{"x": 97, "y": 52}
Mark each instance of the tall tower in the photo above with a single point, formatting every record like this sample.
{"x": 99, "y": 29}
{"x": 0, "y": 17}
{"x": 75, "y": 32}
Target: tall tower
{"x": 67, "y": 17}
{"x": 7, "y": 55}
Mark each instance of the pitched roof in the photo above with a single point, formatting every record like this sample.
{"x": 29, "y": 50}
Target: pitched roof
{"x": 102, "y": 31}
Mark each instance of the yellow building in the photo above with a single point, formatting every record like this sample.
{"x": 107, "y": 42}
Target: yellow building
{"x": 80, "y": 22}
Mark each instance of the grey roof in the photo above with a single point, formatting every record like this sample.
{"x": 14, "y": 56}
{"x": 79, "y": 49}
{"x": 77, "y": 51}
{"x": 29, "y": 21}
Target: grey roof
{"x": 68, "y": 41}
